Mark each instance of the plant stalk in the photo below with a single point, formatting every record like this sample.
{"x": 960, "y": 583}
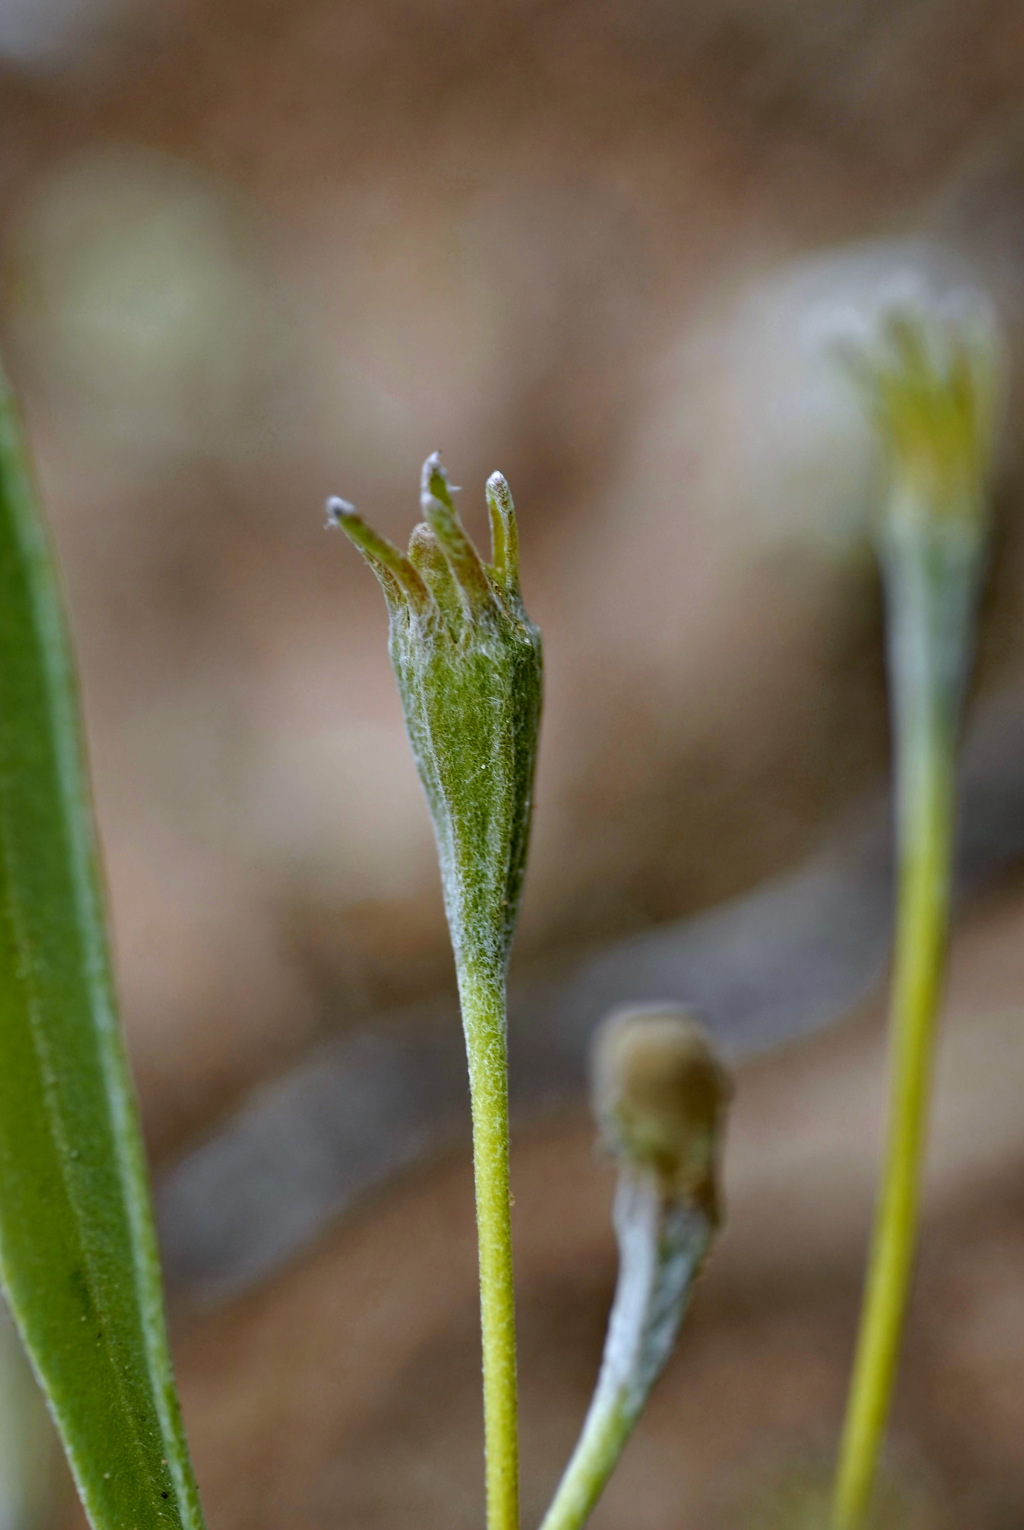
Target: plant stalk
{"x": 468, "y": 664}
{"x": 931, "y": 582}
{"x": 482, "y": 996}
{"x": 662, "y": 1240}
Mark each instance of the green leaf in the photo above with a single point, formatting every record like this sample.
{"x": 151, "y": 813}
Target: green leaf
{"x": 78, "y": 1255}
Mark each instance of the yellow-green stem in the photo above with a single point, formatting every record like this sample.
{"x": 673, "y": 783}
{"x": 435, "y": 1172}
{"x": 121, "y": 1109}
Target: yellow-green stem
{"x": 594, "y": 1459}
{"x": 926, "y": 813}
{"x": 931, "y": 388}
{"x": 483, "y": 1010}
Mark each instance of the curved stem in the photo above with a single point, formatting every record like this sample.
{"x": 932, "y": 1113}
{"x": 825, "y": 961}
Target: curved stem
{"x": 662, "y": 1242}
{"x": 482, "y": 996}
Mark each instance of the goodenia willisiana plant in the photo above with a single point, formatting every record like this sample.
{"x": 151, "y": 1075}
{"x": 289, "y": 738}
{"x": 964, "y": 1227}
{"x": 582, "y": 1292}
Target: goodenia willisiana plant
{"x": 468, "y": 664}
{"x": 660, "y": 1097}
{"x": 931, "y": 388}
{"x": 78, "y": 1256}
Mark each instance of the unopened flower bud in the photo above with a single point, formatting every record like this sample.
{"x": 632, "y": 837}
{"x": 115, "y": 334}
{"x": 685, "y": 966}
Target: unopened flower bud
{"x": 468, "y": 663}
{"x": 932, "y": 383}
{"x": 660, "y": 1097}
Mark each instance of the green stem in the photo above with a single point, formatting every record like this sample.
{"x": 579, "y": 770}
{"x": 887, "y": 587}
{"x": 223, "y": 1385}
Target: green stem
{"x": 662, "y": 1243}
{"x": 594, "y": 1459}
{"x": 931, "y": 591}
{"x": 482, "y": 995}
{"x": 921, "y": 938}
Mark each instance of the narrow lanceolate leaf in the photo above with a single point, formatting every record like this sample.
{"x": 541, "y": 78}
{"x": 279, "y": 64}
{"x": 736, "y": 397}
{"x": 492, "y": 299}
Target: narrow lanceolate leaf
{"x": 78, "y": 1255}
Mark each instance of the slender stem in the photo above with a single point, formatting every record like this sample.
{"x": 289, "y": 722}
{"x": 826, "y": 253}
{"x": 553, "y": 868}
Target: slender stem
{"x": 482, "y": 995}
{"x": 930, "y": 603}
{"x": 662, "y": 1241}
{"x": 596, "y": 1455}
{"x": 922, "y": 923}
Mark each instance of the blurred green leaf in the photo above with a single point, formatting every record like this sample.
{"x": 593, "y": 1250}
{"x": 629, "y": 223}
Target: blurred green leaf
{"x": 78, "y": 1254}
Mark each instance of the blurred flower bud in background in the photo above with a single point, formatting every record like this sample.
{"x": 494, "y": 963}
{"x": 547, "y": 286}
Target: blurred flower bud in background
{"x": 660, "y": 1097}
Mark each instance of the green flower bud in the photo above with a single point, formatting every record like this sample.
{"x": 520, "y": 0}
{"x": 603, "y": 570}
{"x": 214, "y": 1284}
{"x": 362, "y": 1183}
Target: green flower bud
{"x": 931, "y": 385}
{"x": 660, "y": 1097}
{"x": 468, "y": 663}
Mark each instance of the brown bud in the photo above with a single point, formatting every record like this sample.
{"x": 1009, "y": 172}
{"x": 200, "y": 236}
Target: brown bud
{"x": 660, "y": 1095}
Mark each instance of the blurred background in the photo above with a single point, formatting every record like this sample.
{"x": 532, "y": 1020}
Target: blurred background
{"x": 252, "y": 255}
